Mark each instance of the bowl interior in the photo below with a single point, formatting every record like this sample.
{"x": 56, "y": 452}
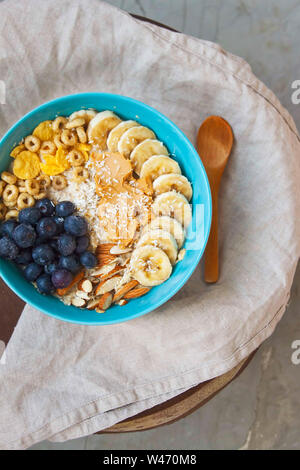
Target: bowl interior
{"x": 190, "y": 163}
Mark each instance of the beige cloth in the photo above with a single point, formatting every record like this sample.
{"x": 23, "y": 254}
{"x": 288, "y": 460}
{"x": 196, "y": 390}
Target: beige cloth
{"x": 63, "y": 381}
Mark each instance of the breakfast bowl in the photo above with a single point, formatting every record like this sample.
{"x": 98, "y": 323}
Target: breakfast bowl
{"x": 181, "y": 150}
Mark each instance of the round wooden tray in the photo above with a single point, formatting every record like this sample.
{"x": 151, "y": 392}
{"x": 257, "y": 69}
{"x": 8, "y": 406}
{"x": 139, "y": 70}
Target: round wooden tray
{"x": 165, "y": 413}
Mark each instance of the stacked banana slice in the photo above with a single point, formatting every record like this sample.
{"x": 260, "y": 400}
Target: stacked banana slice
{"x": 157, "y": 249}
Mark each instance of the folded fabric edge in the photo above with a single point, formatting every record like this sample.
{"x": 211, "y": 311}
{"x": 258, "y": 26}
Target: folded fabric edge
{"x": 159, "y": 388}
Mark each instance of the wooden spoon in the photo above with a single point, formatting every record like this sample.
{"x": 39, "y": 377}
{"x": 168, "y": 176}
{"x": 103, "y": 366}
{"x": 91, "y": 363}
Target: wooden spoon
{"x": 214, "y": 144}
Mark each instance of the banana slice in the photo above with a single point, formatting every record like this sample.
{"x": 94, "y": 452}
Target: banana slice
{"x": 133, "y": 137}
{"x": 170, "y": 225}
{"x": 86, "y": 114}
{"x": 173, "y": 182}
{"x": 159, "y": 165}
{"x": 163, "y": 240}
{"x": 174, "y": 205}
{"x": 117, "y": 132}
{"x": 100, "y": 126}
{"x": 150, "y": 265}
{"x": 145, "y": 150}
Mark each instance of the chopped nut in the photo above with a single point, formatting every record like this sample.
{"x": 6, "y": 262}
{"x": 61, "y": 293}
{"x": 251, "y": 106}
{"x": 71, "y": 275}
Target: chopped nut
{"x": 105, "y": 301}
{"x": 108, "y": 285}
{"x": 124, "y": 289}
{"x": 77, "y": 302}
{"x": 82, "y": 295}
{"x": 122, "y": 302}
{"x": 85, "y": 285}
{"x": 92, "y": 304}
{"x": 116, "y": 250}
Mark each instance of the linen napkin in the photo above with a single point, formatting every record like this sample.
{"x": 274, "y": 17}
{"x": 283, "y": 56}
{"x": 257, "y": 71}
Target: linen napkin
{"x": 62, "y": 381}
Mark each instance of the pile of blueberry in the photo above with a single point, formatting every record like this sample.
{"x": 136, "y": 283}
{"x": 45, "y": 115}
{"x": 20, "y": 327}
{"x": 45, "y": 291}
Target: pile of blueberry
{"x": 50, "y": 242}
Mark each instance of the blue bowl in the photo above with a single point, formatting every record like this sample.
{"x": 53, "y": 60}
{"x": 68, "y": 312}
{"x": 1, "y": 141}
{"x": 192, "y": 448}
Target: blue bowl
{"x": 191, "y": 165}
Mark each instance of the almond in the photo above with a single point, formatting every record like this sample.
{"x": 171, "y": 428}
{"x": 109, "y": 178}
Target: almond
{"x": 104, "y": 270}
{"x": 116, "y": 250}
{"x": 104, "y": 259}
{"x": 108, "y": 285}
{"x": 82, "y": 295}
{"x": 137, "y": 292}
{"x": 117, "y": 269}
{"x": 124, "y": 289}
{"x": 104, "y": 248}
{"x": 122, "y": 302}
{"x": 85, "y": 285}
{"x": 92, "y": 304}
{"x": 105, "y": 301}
{"x": 77, "y": 302}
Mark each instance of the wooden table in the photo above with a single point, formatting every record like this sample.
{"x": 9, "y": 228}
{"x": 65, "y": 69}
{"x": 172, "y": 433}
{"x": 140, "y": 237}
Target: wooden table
{"x": 165, "y": 413}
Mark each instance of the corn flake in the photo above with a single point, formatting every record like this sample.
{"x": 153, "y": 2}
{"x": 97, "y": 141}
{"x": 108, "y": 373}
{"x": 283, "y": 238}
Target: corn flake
{"x": 26, "y": 165}
{"x": 51, "y": 170}
{"x": 44, "y": 131}
{"x": 17, "y": 150}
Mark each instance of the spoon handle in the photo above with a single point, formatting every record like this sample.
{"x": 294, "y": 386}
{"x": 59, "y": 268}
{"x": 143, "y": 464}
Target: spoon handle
{"x": 211, "y": 270}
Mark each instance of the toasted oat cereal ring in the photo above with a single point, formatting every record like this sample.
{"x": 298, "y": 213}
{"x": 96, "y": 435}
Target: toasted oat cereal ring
{"x": 25, "y": 200}
{"x": 32, "y": 187}
{"x": 68, "y": 137}
{"x": 20, "y": 183}
{"x": 3, "y": 211}
{"x": 58, "y": 142}
{"x": 2, "y": 186}
{"x": 10, "y": 193}
{"x": 75, "y": 123}
{"x": 8, "y": 177}
{"x": 76, "y": 158}
{"x": 80, "y": 174}
{"x": 48, "y": 148}
{"x": 10, "y": 204}
{"x": 12, "y": 214}
{"x": 81, "y": 135}
{"x": 41, "y": 195}
{"x": 59, "y": 123}
{"x": 44, "y": 181}
{"x": 32, "y": 143}
{"x": 59, "y": 182}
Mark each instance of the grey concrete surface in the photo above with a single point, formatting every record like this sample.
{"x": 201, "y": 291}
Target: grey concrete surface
{"x": 260, "y": 409}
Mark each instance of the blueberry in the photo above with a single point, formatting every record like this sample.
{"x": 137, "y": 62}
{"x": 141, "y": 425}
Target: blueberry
{"x": 43, "y": 254}
{"x": 44, "y": 284}
{"x": 88, "y": 260}
{"x": 41, "y": 241}
{"x": 32, "y": 272}
{"x": 46, "y": 227}
{"x": 71, "y": 263}
{"x": 8, "y": 248}
{"x": 59, "y": 224}
{"x": 66, "y": 244}
{"x": 24, "y": 235}
{"x": 51, "y": 268}
{"x": 64, "y": 208}
{"x": 8, "y": 227}
{"x": 53, "y": 244}
{"x": 30, "y": 215}
{"x": 61, "y": 278}
{"x": 24, "y": 257}
{"x": 45, "y": 206}
{"x": 82, "y": 244}
{"x": 76, "y": 225}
